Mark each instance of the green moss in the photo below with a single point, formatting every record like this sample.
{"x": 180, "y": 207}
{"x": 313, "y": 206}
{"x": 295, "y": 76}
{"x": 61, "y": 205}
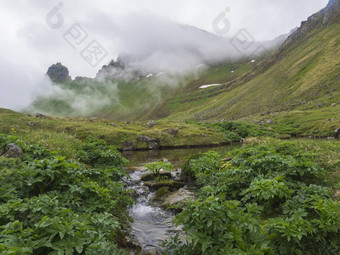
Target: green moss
{"x": 162, "y": 192}
{"x": 172, "y": 185}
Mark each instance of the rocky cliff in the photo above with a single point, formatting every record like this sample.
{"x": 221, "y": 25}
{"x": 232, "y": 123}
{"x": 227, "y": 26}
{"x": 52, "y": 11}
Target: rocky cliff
{"x": 330, "y": 14}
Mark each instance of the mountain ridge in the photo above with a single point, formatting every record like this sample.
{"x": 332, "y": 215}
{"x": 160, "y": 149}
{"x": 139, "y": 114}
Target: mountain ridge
{"x": 301, "y": 78}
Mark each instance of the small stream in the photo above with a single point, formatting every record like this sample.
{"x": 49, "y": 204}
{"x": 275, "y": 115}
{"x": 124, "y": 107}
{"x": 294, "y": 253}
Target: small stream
{"x": 153, "y": 225}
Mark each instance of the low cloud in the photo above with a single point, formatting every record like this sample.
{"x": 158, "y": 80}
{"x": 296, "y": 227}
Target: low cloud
{"x": 155, "y": 34}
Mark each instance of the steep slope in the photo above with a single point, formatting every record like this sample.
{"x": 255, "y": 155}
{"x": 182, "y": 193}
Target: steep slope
{"x": 296, "y": 87}
{"x": 137, "y": 84}
{"x": 304, "y": 74}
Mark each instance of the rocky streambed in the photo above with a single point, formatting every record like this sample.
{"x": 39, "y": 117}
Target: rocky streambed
{"x": 152, "y": 221}
{"x": 152, "y": 217}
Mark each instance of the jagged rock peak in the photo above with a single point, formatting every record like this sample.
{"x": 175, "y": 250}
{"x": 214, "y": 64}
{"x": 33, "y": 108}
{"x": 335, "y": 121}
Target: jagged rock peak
{"x": 58, "y": 73}
{"x": 332, "y": 10}
{"x": 334, "y": 2}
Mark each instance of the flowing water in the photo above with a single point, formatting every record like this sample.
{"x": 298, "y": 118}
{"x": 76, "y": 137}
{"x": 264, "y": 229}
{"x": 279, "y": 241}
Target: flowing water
{"x": 153, "y": 225}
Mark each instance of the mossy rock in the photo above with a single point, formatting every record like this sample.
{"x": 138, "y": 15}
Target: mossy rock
{"x": 160, "y": 196}
{"x": 153, "y": 176}
{"x": 162, "y": 192}
{"x": 172, "y": 185}
{"x": 177, "y": 198}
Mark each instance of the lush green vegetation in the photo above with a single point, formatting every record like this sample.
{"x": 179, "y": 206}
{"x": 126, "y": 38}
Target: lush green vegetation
{"x": 268, "y": 198}
{"x": 315, "y": 123}
{"x": 68, "y": 134}
{"x": 156, "y": 166}
{"x": 118, "y": 98}
{"x": 301, "y": 76}
{"x": 52, "y": 205}
{"x": 126, "y": 97}
{"x": 189, "y": 97}
{"x": 236, "y": 130}
{"x": 295, "y": 87}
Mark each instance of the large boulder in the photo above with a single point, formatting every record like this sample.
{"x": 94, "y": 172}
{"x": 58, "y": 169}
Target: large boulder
{"x": 152, "y": 142}
{"x": 173, "y": 131}
{"x": 159, "y": 197}
{"x": 178, "y": 197}
{"x": 13, "y": 151}
{"x": 144, "y": 138}
{"x": 153, "y": 146}
{"x": 151, "y": 124}
{"x": 128, "y": 145}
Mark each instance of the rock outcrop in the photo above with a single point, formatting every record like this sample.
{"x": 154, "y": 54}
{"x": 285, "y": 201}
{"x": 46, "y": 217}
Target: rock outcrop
{"x": 325, "y": 17}
{"x": 13, "y": 151}
{"x": 173, "y": 131}
{"x": 128, "y": 145}
{"x": 58, "y": 73}
{"x": 144, "y": 138}
{"x": 178, "y": 197}
{"x": 152, "y": 142}
{"x": 151, "y": 124}
{"x": 331, "y": 12}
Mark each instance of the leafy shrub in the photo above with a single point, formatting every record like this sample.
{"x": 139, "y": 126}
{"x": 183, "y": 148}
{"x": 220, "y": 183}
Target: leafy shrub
{"x": 53, "y": 205}
{"x": 199, "y": 167}
{"x": 270, "y": 199}
{"x": 162, "y": 179}
{"x": 31, "y": 151}
{"x": 221, "y": 227}
{"x": 156, "y": 166}
{"x": 236, "y": 130}
{"x": 97, "y": 153}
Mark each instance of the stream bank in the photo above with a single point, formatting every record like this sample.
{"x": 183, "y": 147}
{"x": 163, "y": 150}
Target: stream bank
{"x": 152, "y": 222}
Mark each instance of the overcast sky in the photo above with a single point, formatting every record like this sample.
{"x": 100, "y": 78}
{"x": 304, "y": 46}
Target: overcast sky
{"x": 29, "y": 44}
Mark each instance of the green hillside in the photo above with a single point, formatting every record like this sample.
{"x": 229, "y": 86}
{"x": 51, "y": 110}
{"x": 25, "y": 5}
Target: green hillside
{"x": 297, "y": 87}
{"x": 306, "y": 77}
{"x": 67, "y": 134}
{"x": 294, "y": 90}
{"x": 65, "y": 188}
{"x": 134, "y": 99}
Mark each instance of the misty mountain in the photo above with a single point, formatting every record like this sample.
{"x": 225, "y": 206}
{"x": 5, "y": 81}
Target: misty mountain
{"x": 183, "y": 48}
{"x": 163, "y": 78}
